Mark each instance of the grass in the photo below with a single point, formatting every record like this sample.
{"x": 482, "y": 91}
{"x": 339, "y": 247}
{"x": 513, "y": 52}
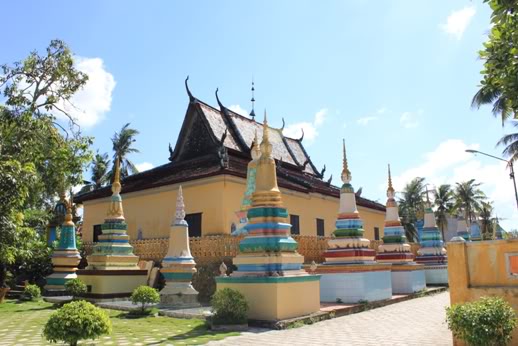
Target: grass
{"x": 22, "y": 323}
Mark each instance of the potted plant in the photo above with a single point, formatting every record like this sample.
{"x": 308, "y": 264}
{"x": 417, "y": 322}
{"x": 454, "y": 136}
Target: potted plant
{"x": 487, "y": 321}
{"x": 144, "y": 295}
{"x": 230, "y": 310}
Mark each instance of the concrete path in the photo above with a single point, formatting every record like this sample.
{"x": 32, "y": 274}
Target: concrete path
{"x": 418, "y": 321}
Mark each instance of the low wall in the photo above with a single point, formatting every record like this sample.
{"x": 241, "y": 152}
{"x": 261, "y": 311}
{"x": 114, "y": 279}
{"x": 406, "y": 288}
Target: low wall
{"x": 484, "y": 268}
{"x": 211, "y": 249}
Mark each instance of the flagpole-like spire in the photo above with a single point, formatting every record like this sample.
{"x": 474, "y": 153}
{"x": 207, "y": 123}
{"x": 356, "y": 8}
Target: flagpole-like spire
{"x": 266, "y": 146}
{"x": 115, "y": 210}
{"x": 390, "y": 189}
{"x": 252, "y": 112}
{"x": 346, "y": 173}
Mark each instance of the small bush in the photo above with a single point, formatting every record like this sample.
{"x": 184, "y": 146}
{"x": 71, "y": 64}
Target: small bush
{"x": 230, "y": 307}
{"x": 487, "y": 321}
{"x": 75, "y": 287}
{"x": 144, "y": 295}
{"x": 204, "y": 281}
{"x": 31, "y": 292}
{"x": 76, "y": 321}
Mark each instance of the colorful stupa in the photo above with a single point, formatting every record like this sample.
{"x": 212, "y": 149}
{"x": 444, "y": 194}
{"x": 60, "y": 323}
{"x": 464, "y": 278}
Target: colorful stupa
{"x": 350, "y": 272}
{"x": 58, "y": 217}
{"x": 250, "y": 187}
{"x": 113, "y": 270}
{"x": 407, "y": 275}
{"x": 65, "y": 257}
{"x": 432, "y": 252}
{"x": 178, "y": 265}
{"x": 462, "y": 228}
{"x": 269, "y": 269}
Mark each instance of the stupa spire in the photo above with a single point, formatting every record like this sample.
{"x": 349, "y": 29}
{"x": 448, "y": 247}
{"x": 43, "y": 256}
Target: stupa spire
{"x": 115, "y": 210}
{"x": 390, "y": 190}
{"x": 68, "y": 215}
{"x": 180, "y": 209}
{"x": 256, "y": 150}
{"x": 346, "y": 173}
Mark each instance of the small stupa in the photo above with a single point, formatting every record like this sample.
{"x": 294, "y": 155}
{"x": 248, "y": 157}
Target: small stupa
{"x": 432, "y": 252}
{"x": 178, "y": 265}
{"x": 407, "y": 276}
{"x": 462, "y": 227}
{"x": 269, "y": 270}
{"x": 113, "y": 270}
{"x": 66, "y": 257}
{"x": 350, "y": 272}
{"x": 250, "y": 187}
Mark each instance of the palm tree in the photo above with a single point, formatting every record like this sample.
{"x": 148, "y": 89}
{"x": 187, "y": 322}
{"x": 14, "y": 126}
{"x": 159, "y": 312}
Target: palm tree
{"x": 469, "y": 197}
{"x": 444, "y": 204}
{"x": 411, "y": 205}
{"x": 100, "y": 165}
{"x": 122, "y": 147}
{"x": 489, "y": 95}
{"x": 510, "y": 142}
{"x": 487, "y": 221}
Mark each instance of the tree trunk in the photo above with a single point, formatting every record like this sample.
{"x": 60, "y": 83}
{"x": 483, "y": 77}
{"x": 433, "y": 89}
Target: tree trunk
{"x": 3, "y": 275}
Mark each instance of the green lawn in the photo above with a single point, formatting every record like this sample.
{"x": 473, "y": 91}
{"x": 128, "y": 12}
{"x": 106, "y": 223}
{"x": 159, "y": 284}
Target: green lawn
{"x": 21, "y": 323}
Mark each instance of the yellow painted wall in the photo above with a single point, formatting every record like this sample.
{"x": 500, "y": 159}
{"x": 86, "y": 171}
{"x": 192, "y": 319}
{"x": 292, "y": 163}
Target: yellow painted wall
{"x": 479, "y": 269}
{"x": 218, "y": 198}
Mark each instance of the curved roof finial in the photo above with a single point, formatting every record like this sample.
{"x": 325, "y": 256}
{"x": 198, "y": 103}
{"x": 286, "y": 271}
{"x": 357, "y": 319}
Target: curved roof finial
{"x": 217, "y": 98}
{"x": 301, "y": 137}
{"x": 252, "y": 112}
{"x": 191, "y": 98}
{"x": 283, "y": 124}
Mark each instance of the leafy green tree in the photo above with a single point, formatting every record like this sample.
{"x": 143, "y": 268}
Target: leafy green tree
{"x": 444, "y": 206}
{"x": 100, "y": 169}
{"x": 411, "y": 206}
{"x": 123, "y": 146}
{"x": 469, "y": 197}
{"x": 499, "y": 86}
{"x": 144, "y": 295}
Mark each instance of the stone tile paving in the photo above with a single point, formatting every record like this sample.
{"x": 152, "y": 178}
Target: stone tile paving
{"x": 415, "y": 322}
{"x": 22, "y": 324}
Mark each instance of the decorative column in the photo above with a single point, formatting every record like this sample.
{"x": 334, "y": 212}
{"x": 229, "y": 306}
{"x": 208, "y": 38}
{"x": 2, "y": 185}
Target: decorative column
{"x": 65, "y": 257}
{"x": 269, "y": 269}
{"x": 432, "y": 252}
{"x": 407, "y": 276}
{"x": 250, "y": 187}
{"x": 350, "y": 273}
{"x": 113, "y": 270}
{"x": 178, "y": 265}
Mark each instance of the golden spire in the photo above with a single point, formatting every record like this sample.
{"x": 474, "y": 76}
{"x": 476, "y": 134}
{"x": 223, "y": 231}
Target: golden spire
{"x": 346, "y": 173}
{"x": 116, "y": 186}
{"x": 68, "y": 216}
{"x": 115, "y": 210}
{"x": 390, "y": 187}
{"x": 266, "y": 146}
{"x": 256, "y": 151}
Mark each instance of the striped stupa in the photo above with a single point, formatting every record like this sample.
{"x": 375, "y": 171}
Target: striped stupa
{"x": 432, "y": 249}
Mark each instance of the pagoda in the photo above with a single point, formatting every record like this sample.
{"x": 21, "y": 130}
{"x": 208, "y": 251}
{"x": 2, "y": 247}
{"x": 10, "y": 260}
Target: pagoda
{"x": 462, "y": 228}
{"x": 65, "y": 258}
{"x": 113, "y": 270}
{"x": 350, "y": 273}
{"x": 250, "y": 187}
{"x": 407, "y": 276}
{"x": 432, "y": 252}
{"x": 269, "y": 269}
{"x": 178, "y": 265}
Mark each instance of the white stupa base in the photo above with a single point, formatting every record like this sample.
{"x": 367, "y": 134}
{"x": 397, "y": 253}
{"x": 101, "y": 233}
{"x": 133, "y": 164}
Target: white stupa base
{"x": 408, "y": 281}
{"x": 436, "y": 274}
{"x": 178, "y": 295}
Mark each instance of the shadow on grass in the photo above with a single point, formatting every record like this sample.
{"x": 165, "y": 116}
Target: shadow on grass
{"x": 198, "y": 332}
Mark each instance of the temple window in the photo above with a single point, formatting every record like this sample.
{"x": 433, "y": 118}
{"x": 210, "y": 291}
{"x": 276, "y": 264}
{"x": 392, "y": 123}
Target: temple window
{"x": 97, "y": 232}
{"x": 194, "y": 222}
{"x": 376, "y": 233}
{"x": 295, "y": 224}
{"x": 320, "y": 227}
{"x": 512, "y": 264}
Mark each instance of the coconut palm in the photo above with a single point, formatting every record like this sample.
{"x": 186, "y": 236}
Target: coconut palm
{"x": 489, "y": 95}
{"x": 444, "y": 203}
{"x": 469, "y": 197}
{"x": 510, "y": 142}
{"x": 411, "y": 205}
{"x": 122, "y": 147}
{"x": 487, "y": 221}
{"x": 100, "y": 165}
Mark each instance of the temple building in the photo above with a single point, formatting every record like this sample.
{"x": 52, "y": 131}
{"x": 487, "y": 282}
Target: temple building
{"x": 210, "y": 161}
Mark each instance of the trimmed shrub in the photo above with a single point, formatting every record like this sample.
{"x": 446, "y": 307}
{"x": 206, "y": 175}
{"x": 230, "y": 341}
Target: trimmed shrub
{"x": 76, "y": 321}
{"x": 75, "y": 287}
{"x": 144, "y": 295}
{"x": 31, "y": 292}
{"x": 230, "y": 307}
{"x": 487, "y": 321}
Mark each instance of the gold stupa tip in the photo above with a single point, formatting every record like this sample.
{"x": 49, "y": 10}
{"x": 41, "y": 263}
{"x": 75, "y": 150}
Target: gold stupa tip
{"x": 68, "y": 216}
{"x": 116, "y": 186}
{"x": 345, "y": 170}
{"x": 390, "y": 187}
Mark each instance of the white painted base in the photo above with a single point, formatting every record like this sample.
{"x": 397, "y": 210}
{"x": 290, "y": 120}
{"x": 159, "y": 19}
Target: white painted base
{"x": 351, "y": 288}
{"x": 437, "y": 274}
{"x": 409, "y": 281}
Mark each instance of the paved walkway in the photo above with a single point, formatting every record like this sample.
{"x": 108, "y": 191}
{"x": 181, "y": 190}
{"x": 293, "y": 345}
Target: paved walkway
{"x": 415, "y": 322}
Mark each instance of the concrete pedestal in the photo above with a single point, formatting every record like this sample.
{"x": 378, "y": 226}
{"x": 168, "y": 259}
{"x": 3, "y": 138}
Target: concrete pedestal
{"x": 355, "y": 282}
{"x": 105, "y": 285}
{"x": 178, "y": 295}
{"x": 276, "y": 298}
{"x": 436, "y": 274}
{"x": 408, "y": 278}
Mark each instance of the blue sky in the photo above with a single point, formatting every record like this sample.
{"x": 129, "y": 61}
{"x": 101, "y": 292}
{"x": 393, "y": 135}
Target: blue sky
{"x": 394, "y": 78}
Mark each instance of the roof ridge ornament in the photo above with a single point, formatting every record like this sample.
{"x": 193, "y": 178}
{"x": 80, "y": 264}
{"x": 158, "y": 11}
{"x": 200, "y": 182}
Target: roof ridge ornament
{"x": 217, "y": 99}
{"x": 283, "y": 124}
{"x": 301, "y": 137}
{"x": 191, "y": 98}
{"x": 252, "y": 112}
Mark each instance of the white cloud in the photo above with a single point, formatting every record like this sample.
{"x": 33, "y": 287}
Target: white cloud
{"x": 458, "y": 21}
{"x": 91, "y": 102}
{"x": 382, "y": 110}
{"x": 366, "y": 120}
{"x": 238, "y": 109}
{"x": 144, "y": 166}
{"x": 410, "y": 119}
{"x": 310, "y": 128}
{"x": 449, "y": 164}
